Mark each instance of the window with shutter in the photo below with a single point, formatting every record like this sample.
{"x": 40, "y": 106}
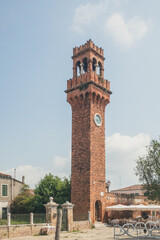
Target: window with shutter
{"x": 4, "y": 190}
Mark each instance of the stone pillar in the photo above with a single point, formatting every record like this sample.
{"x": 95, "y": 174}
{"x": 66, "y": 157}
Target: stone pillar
{"x": 9, "y": 219}
{"x": 89, "y": 219}
{"x": 89, "y": 216}
{"x": 51, "y": 212}
{"x": 67, "y": 209}
{"x": 31, "y": 218}
{"x": 96, "y": 68}
{"x": 81, "y": 71}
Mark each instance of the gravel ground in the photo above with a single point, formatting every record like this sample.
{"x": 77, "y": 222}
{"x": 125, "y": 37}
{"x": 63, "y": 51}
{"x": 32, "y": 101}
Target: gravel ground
{"x": 105, "y": 233}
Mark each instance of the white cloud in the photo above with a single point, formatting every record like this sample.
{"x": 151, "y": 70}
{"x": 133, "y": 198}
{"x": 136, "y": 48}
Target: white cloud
{"x": 121, "y": 155}
{"x": 32, "y": 174}
{"x": 86, "y": 15}
{"x": 126, "y": 32}
{"x": 60, "y": 162}
{"x": 91, "y": 17}
{"x": 62, "y": 166}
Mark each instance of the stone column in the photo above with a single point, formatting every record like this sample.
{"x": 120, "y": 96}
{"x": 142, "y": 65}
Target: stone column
{"x": 67, "y": 209}
{"x": 31, "y": 218}
{"x": 89, "y": 216}
{"x": 9, "y": 219}
{"x": 96, "y": 68}
{"x": 81, "y": 71}
{"x": 51, "y": 212}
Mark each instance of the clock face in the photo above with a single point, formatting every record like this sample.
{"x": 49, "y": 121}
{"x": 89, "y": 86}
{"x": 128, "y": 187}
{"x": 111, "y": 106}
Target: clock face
{"x": 97, "y": 119}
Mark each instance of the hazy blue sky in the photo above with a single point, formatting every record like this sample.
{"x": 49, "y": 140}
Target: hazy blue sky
{"x": 36, "y": 41}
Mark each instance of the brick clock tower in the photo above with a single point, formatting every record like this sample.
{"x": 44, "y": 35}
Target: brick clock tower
{"x": 88, "y": 93}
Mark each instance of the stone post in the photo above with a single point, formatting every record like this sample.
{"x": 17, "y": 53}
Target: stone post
{"x": 9, "y": 219}
{"x": 81, "y": 68}
{"x": 89, "y": 216}
{"x": 58, "y": 225}
{"x": 31, "y": 218}
{"x": 51, "y": 212}
{"x": 67, "y": 209}
{"x": 89, "y": 219}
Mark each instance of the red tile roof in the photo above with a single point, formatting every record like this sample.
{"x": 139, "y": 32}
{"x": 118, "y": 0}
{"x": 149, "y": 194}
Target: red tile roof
{"x": 3, "y": 174}
{"x": 133, "y": 187}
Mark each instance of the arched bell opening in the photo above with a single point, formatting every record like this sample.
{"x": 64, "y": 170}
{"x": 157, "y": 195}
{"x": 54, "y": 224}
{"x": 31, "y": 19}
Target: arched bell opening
{"x": 94, "y": 62}
{"x": 98, "y": 211}
{"x": 99, "y": 69}
{"x": 78, "y": 68}
{"x": 85, "y": 66}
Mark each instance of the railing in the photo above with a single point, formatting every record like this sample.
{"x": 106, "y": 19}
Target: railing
{"x": 148, "y": 230}
{"x": 16, "y": 219}
{"x": 39, "y": 218}
{"x": 20, "y": 219}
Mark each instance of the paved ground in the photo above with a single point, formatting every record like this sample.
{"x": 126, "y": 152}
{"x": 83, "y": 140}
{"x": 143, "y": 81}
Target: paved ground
{"x": 91, "y": 234}
{"x": 105, "y": 233}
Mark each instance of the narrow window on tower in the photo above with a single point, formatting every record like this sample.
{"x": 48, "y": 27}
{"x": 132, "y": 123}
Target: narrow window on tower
{"x": 99, "y": 71}
{"x": 84, "y": 65}
{"x": 94, "y": 63}
{"x": 78, "y": 68}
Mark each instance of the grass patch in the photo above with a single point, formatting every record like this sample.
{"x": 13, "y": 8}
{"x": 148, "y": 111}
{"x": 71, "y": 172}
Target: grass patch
{"x": 3, "y": 221}
{"x": 16, "y": 222}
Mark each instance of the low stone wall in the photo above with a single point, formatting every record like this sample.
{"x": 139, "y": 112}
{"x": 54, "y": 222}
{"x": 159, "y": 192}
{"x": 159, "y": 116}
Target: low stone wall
{"x": 20, "y": 230}
{"x": 80, "y": 225}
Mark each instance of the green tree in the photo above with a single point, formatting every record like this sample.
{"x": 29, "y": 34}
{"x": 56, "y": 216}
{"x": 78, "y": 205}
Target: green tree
{"x": 148, "y": 170}
{"x": 49, "y": 186}
{"x": 23, "y": 203}
{"x": 52, "y": 186}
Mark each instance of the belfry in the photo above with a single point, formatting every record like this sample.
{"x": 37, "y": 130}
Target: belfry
{"x": 88, "y": 93}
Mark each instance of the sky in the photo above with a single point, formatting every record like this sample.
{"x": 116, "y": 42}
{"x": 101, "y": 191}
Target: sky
{"x": 36, "y": 44}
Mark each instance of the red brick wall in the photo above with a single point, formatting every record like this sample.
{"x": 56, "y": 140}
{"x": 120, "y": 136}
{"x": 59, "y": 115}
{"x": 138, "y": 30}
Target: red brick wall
{"x": 80, "y": 176}
{"x": 88, "y": 140}
{"x": 88, "y": 150}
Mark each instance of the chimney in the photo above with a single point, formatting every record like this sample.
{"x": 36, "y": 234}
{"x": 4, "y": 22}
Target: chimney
{"x": 15, "y": 173}
{"x": 23, "y": 179}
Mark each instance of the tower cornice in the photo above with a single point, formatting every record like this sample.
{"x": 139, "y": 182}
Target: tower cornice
{"x": 84, "y": 86}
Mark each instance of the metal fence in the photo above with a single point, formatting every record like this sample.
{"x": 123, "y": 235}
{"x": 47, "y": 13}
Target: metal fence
{"x": 20, "y": 219}
{"x": 16, "y": 219}
{"x": 39, "y": 218}
{"x": 140, "y": 230}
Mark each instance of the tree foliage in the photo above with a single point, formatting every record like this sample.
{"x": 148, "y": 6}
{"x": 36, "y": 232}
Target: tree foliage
{"x": 49, "y": 186}
{"x": 23, "y": 203}
{"x": 148, "y": 170}
{"x": 52, "y": 186}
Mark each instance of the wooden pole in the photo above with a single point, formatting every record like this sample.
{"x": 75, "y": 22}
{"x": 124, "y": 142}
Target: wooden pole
{"x": 58, "y": 225}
